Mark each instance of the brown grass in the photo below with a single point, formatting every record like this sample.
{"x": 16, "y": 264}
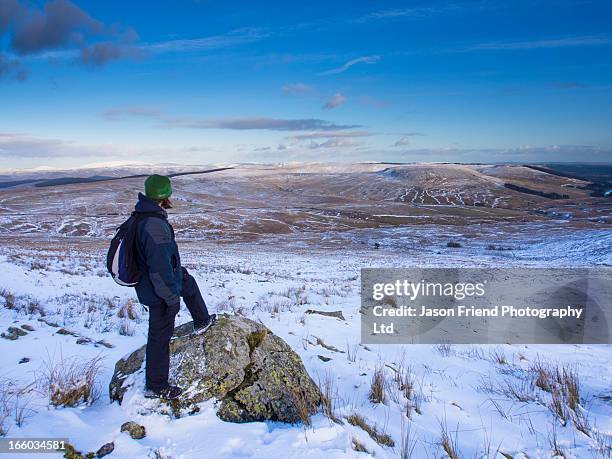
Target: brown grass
{"x": 563, "y": 384}
{"x": 128, "y": 310}
{"x": 378, "y": 386}
{"x": 9, "y": 298}
{"x": 302, "y": 407}
{"x": 379, "y": 437}
{"x": 448, "y": 443}
{"x": 358, "y": 446}
{"x": 71, "y": 381}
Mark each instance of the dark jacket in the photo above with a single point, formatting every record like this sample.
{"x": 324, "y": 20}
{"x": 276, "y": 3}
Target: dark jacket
{"x": 158, "y": 257}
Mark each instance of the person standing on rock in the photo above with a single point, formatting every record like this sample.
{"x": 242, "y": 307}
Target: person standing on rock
{"x": 163, "y": 283}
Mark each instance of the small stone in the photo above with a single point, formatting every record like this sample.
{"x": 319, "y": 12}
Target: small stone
{"x": 105, "y": 449}
{"x": 135, "y": 430}
{"x": 323, "y": 358}
{"x": 17, "y": 331}
{"x": 65, "y": 331}
{"x": 105, "y": 344}
{"x": 24, "y": 360}
{"x": 10, "y": 336}
{"x": 83, "y": 340}
{"x": 28, "y": 327}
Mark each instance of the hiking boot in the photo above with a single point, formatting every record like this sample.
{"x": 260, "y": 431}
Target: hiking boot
{"x": 201, "y": 328}
{"x": 167, "y": 393}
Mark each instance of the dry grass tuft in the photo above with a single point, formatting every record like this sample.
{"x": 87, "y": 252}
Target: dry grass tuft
{"x": 408, "y": 443}
{"x": 497, "y": 356}
{"x": 71, "y": 381}
{"x": 378, "y": 386}
{"x": 556, "y": 450}
{"x": 5, "y": 406}
{"x": 448, "y": 443}
{"x": 329, "y": 392}
{"x": 603, "y": 444}
{"x": 302, "y": 407}
{"x": 379, "y": 437}
{"x": 297, "y": 295}
{"x": 126, "y": 328}
{"x": 563, "y": 384}
{"x": 128, "y": 311}
{"x": 445, "y": 349}
{"x": 351, "y": 352}
{"x": 358, "y": 446}
{"x": 9, "y": 298}
{"x": 15, "y": 404}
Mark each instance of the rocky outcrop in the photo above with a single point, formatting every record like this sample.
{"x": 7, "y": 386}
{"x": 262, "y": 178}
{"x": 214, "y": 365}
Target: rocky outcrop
{"x": 253, "y": 373}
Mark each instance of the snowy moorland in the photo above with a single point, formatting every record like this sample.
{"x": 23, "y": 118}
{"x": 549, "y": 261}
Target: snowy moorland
{"x": 64, "y": 320}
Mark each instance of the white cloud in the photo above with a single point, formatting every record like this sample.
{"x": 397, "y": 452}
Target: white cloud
{"x": 334, "y": 143}
{"x": 584, "y": 40}
{"x": 403, "y": 141}
{"x": 239, "y": 124}
{"x": 336, "y": 100}
{"x": 328, "y": 134}
{"x": 349, "y": 64}
{"x": 231, "y": 38}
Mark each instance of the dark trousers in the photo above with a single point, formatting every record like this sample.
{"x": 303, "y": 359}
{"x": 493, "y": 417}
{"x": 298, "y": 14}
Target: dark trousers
{"x": 161, "y": 326}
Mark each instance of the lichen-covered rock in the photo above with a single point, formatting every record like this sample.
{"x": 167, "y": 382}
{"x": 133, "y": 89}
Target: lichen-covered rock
{"x": 105, "y": 449}
{"x": 254, "y": 374}
{"x": 135, "y": 430}
{"x": 70, "y": 452}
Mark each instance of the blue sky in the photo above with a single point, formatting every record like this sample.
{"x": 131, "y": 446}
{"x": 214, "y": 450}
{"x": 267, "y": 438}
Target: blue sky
{"x": 212, "y": 81}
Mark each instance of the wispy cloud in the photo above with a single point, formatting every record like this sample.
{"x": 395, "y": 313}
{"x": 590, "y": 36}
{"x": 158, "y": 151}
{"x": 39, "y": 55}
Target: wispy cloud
{"x": 328, "y": 134}
{"x": 564, "y": 42}
{"x": 351, "y": 63}
{"x": 403, "y": 141}
{"x": 239, "y": 124}
{"x": 232, "y": 38}
{"x": 335, "y": 101}
{"x": 300, "y": 89}
{"x": 397, "y": 13}
{"x": 335, "y": 142}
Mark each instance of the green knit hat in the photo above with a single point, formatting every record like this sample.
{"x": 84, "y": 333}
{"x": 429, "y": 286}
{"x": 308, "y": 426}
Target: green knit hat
{"x": 158, "y": 187}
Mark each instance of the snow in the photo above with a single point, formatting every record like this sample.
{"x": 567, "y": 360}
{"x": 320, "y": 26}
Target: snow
{"x": 276, "y": 286}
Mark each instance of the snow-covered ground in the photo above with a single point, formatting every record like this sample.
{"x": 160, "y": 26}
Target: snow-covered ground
{"x": 479, "y": 401}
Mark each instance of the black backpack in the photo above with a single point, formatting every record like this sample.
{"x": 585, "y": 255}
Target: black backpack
{"x": 121, "y": 260}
